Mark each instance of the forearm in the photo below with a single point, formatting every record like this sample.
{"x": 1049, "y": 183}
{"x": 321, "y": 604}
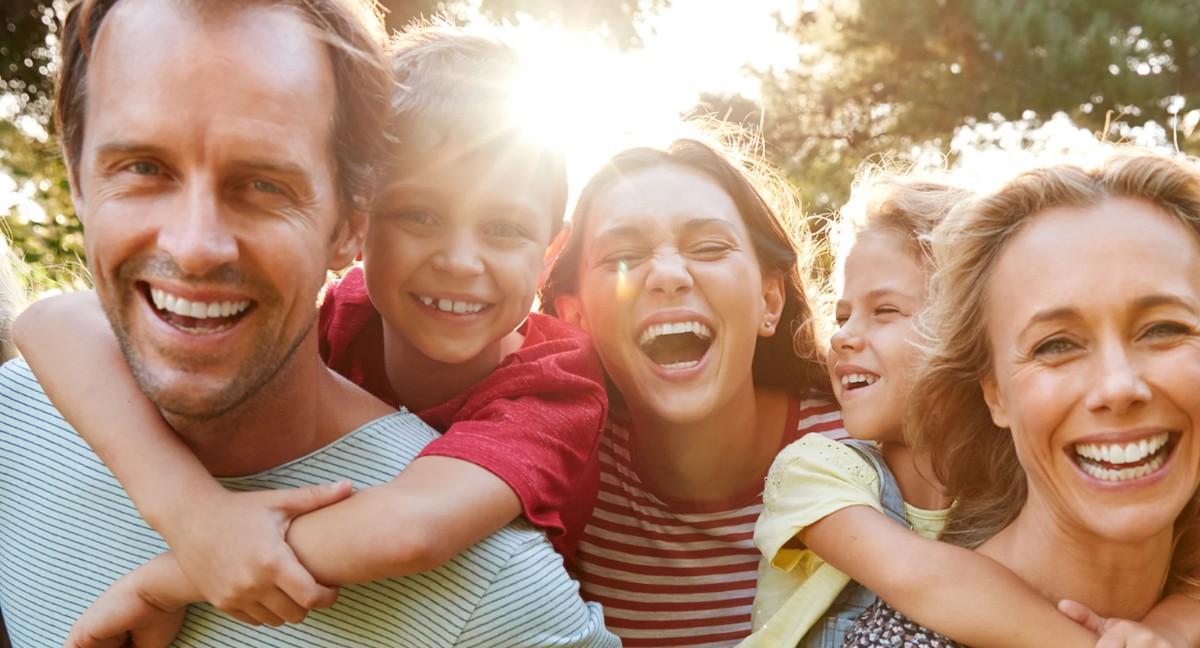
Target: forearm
{"x": 72, "y": 350}
{"x": 434, "y": 510}
{"x": 974, "y": 600}
{"x": 957, "y": 592}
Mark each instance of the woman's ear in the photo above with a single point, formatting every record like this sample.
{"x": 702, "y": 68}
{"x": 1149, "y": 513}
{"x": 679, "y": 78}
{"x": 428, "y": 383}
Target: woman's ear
{"x": 773, "y": 298}
{"x": 995, "y": 402}
{"x": 570, "y": 311}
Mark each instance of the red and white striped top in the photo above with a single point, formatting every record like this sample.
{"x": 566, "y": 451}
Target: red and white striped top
{"x": 677, "y": 574}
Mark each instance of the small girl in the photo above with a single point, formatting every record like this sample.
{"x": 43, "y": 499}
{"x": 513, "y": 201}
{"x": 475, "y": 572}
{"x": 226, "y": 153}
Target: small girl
{"x": 840, "y": 510}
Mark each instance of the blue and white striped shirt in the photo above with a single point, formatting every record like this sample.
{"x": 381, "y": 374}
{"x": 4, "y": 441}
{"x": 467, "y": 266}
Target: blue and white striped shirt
{"x": 68, "y": 531}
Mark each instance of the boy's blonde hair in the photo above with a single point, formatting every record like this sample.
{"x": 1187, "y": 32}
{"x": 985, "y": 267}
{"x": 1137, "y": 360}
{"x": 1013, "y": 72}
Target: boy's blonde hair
{"x": 12, "y": 300}
{"x": 975, "y": 460}
{"x": 455, "y": 93}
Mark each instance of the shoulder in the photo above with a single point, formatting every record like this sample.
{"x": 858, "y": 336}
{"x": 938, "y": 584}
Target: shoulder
{"x": 815, "y": 415}
{"x": 818, "y": 455}
{"x": 556, "y": 348}
{"x": 531, "y": 600}
{"x": 21, "y": 396}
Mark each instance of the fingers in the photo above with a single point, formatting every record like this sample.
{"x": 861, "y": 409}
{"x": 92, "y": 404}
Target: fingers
{"x": 298, "y": 501}
{"x": 299, "y": 585}
{"x": 276, "y": 609}
{"x": 1081, "y": 614}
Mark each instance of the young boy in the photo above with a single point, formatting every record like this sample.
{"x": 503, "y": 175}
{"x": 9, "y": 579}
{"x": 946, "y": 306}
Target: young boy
{"x": 438, "y": 320}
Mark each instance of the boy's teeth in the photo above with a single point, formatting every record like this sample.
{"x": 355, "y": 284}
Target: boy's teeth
{"x": 672, "y": 328}
{"x": 859, "y": 378}
{"x": 195, "y": 309}
{"x": 451, "y": 306}
{"x": 1118, "y": 453}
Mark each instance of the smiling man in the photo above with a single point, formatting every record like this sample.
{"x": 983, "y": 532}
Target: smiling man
{"x": 217, "y": 152}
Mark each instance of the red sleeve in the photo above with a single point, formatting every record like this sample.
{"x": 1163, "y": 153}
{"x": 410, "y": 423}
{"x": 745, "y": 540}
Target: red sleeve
{"x": 535, "y": 422}
{"x": 350, "y": 333}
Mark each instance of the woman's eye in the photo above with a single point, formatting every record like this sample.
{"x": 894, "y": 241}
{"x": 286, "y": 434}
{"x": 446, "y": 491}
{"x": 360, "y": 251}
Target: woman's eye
{"x": 887, "y": 310}
{"x": 710, "y": 249}
{"x": 1162, "y": 330}
{"x": 1055, "y": 346}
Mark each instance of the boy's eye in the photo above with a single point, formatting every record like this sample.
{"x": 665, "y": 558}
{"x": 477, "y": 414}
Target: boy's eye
{"x": 504, "y": 230}
{"x": 1054, "y": 347}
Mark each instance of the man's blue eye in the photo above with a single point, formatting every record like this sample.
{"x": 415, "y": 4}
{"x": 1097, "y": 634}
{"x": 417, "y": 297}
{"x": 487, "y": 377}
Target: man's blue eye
{"x": 266, "y": 186}
{"x": 144, "y": 168}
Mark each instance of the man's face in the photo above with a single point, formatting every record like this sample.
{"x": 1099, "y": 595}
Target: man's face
{"x": 206, "y": 187}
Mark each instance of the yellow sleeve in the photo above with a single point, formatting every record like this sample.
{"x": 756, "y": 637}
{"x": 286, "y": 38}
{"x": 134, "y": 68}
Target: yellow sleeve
{"x": 810, "y": 479}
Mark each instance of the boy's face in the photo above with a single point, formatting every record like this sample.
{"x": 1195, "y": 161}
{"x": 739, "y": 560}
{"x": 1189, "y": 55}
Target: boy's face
{"x": 455, "y": 247}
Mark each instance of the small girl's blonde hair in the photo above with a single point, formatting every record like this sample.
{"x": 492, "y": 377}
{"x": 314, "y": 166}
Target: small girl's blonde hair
{"x": 12, "y": 300}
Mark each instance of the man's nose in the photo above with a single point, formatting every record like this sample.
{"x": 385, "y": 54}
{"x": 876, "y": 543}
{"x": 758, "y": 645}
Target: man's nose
{"x": 199, "y": 238}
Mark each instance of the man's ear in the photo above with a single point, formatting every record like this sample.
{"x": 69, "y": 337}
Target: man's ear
{"x": 570, "y": 311}
{"x": 348, "y": 239}
{"x": 773, "y": 298}
{"x": 995, "y": 402}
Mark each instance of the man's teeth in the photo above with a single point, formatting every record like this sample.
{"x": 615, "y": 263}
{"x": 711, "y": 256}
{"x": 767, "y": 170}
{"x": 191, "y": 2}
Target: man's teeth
{"x": 451, "y": 306}
{"x": 672, "y": 328}
{"x": 1122, "y": 474}
{"x": 196, "y": 309}
{"x": 859, "y": 378}
{"x": 1117, "y": 453}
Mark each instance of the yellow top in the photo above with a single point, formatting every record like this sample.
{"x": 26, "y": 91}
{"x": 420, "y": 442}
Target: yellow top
{"x": 810, "y": 479}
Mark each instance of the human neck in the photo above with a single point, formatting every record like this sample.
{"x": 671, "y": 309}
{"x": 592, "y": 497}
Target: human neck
{"x": 1120, "y": 580}
{"x": 303, "y": 408}
{"x": 714, "y": 459}
{"x": 914, "y": 474}
{"x": 420, "y": 382}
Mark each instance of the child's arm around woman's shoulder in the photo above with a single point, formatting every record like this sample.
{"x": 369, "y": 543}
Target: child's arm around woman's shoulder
{"x": 825, "y": 499}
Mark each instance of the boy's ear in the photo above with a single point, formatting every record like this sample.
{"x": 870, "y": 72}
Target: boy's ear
{"x": 348, "y": 239}
{"x": 995, "y": 402}
{"x": 552, "y": 252}
{"x": 773, "y": 298}
{"x": 569, "y": 311}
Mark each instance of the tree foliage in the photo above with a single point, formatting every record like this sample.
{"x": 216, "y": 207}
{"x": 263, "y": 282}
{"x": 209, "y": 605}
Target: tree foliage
{"x": 882, "y": 76}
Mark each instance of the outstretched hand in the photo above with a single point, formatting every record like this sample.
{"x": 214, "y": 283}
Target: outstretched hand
{"x": 133, "y": 612}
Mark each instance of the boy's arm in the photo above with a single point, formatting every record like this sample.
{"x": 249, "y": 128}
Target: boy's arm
{"x": 232, "y": 545}
{"x": 435, "y": 509}
{"x": 957, "y": 592}
{"x": 1177, "y": 617}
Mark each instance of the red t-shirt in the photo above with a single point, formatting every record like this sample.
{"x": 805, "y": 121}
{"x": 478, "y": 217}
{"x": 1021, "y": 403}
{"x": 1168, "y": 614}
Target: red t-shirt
{"x": 534, "y": 422}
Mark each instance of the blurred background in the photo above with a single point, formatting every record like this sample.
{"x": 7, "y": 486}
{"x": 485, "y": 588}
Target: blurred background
{"x": 828, "y": 83}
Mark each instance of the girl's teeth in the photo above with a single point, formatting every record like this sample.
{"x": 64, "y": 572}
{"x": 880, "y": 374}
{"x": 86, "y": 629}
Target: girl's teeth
{"x": 869, "y": 379}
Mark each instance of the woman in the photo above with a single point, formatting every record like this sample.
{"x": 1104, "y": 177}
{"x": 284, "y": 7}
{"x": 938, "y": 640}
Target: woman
{"x": 688, "y": 281}
{"x": 1061, "y": 389}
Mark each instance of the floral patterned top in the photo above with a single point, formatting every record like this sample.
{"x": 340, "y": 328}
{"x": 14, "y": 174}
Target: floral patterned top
{"x": 880, "y": 625}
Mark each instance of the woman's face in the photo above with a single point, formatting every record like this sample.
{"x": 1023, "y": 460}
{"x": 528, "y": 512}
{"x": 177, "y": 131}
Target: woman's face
{"x": 1093, "y": 315}
{"x": 672, "y": 293}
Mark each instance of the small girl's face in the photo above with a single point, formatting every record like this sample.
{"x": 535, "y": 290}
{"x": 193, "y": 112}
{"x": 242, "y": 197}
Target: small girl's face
{"x": 871, "y": 356}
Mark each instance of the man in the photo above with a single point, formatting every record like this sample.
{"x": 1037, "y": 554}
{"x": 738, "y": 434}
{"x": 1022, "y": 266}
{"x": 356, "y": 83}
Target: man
{"x": 216, "y": 153}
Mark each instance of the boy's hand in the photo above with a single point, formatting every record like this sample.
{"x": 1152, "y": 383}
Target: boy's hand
{"x": 231, "y": 545}
{"x": 135, "y": 611}
{"x": 1118, "y": 633}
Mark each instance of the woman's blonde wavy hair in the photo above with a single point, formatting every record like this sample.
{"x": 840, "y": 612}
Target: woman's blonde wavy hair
{"x": 975, "y": 460}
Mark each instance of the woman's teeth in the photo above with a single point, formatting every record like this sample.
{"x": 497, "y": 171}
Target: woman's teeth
{"x": 1123, "y": 461}
{"x": 653, "y": 331}
{"x": 451, "y": 306}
